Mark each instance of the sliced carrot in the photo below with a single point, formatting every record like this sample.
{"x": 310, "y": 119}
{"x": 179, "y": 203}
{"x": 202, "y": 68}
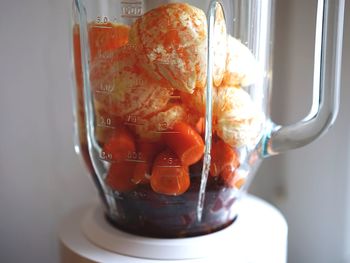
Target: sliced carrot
{"x": 240, "y": 182}
{"x": 185, "y": 142}
{"x": 232, "y": 178}
{"x": 169, "y": 176}
{"x": 223, "y": 156}
{"x": 142, "y": 173}
{"x": 119, "y": 146}
{"x": 200, "y": 125}
{"x": 146, "y": 152}
{"x": 119, "y": 176}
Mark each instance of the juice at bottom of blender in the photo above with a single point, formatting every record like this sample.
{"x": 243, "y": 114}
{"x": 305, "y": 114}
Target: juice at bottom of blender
{"x": 149, "y": 109}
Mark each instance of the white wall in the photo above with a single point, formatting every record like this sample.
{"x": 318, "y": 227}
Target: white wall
{"x": 41, "y": 178}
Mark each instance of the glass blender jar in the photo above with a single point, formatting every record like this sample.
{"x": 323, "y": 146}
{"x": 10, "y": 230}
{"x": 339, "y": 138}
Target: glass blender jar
{"x": 172, "y": 105}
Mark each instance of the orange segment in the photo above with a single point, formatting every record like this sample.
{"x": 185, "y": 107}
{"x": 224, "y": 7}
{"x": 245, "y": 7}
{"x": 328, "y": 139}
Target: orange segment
{"x": 173, "y": 39}
{"x": 195, "y": 102}
{"x": 102, "y": 38}
{"x": 153, "y": 127}
{"x": 106, "y": 37}
{"x": 238, "y": 121}
{"x": 169, "y": 176}
{"x": 130, "y": 91}
{"x": 242, "y": 68}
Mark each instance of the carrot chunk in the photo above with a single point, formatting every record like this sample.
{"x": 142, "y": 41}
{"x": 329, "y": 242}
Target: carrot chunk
{"x": 119, "y": 146}
{"x": 169, "y": 176}
{"x": 233, "y": 178}
{"x": 146, "y": 152}
{"x": 200, "y": 125}
{"x": 185, "y": 142}
{"x": 119, "y": 176}
{"x": 223, "y": 157}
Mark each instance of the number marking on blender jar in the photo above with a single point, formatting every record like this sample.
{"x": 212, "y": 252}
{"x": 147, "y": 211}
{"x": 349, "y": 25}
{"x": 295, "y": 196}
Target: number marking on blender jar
{"x": 105, "y": 88}
{"x": 101, "y": 22}
{"x": 135, "y": 157}
{"x": 106, "y": 123}
{"x": 102, "y": 19}
{"x": 131, "y": 9}
{"x": 163, "y": 127}
{"x": 106, "y": 157}
{"x": 132, "y": 120}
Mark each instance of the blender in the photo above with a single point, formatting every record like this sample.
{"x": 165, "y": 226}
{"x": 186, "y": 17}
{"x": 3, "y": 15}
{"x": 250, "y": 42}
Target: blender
{"x": 172, "y": 108}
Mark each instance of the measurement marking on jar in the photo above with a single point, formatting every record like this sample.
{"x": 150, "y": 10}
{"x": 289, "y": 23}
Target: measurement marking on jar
{"x": 135, "y": 161}
{"x": 133, "y": 124}
{"x": 131, "y": 2}
{"x": 106, "y": 91}
{"x": 131, "y": 9}
{"x": 103, "y": 92}
{"x": 105, "y": 122}
{"x": 169, "y": 166}
{"x": 133, "y": 120}
{"x": 104, "y": 88}
{"x": 165, "y": 132}
{"x": 131, "y": 16}
{"x": 98, "y": 26}
{"x": 105, "y": 126}
{"x": 107, "y": 160}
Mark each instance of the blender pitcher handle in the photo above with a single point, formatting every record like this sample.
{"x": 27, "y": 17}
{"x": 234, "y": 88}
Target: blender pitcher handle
{"x": 326, "y": 84}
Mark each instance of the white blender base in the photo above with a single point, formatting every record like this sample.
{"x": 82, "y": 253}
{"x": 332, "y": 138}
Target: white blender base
{"x": 258, "y": 235}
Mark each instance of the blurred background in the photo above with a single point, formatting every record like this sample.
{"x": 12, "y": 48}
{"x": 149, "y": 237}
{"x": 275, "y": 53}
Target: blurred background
{"x": 42, "y": 179}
